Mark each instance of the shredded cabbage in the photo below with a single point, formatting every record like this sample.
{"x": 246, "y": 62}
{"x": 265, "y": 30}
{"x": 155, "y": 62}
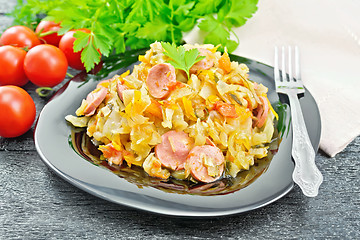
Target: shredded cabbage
{"x": 136, "y": 122}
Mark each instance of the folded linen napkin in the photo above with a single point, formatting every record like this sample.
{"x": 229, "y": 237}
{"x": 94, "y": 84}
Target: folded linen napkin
{"x": 328, "y": 35}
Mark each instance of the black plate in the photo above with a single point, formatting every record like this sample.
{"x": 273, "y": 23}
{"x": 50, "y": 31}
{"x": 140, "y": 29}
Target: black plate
{"x": 51, "y": 141}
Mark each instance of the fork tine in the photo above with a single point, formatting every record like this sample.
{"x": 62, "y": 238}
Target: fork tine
{"x": 290, "y": 64}
{"x": 283, "y": 69}
{"x": 276, "y": 64}
{"x": 287, "y": 69}
{"x": 297, "y": 64}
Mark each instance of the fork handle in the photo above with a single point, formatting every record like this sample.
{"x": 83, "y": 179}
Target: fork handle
{"x": 306, "y": 175}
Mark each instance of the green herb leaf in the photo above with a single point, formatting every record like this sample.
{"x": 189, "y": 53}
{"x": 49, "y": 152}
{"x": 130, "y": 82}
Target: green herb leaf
{"x": 282, "y": 111}
{"x": 231, "y": 13}
{"x": 217, "y": 33}
{"x": 101, "y": 43}
{"x": 90, "y": 56}
{"x": 82, "y": 40}
{"x": 158, "y": 29}
{"x": 238, "y": 12}
{"x": 192, "y": 57}
{"x": 180, "y": 58}
{"x": 119, "y": 43}
{"x": 206, "y": 7}
{"x": 144, "y": 10}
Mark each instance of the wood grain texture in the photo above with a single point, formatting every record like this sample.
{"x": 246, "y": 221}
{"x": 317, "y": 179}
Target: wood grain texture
{"x": 37, "y": 204}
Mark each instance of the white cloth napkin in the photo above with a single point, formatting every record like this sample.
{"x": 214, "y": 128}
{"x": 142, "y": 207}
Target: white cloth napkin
{"x": 328, "y": 35}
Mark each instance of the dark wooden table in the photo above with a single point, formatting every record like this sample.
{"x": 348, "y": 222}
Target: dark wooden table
{"x": 37, "y": 204}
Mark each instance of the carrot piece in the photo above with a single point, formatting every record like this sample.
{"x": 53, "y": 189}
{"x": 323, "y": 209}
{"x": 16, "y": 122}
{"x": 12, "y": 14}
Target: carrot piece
{"x": 154, "y": 108}
{"x": 224, "y": 62}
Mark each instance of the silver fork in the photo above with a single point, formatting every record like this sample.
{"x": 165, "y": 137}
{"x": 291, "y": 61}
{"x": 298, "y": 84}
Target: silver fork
{"x": 305, "y": 174}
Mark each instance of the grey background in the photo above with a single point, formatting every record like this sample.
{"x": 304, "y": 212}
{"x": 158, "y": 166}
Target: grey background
{"x": 37, "y": 204}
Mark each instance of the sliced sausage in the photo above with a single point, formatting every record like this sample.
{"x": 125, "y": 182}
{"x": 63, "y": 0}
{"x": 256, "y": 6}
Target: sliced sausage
{"x": 159, "y": 78}
{"x": 120, "y": 88}
{"x": 205, "y": 63}
{"x": 263, "y": 112}
{"x": 94, "y": 99}
{"x": 206, "y": 163}
{"x": 174, "y": 149}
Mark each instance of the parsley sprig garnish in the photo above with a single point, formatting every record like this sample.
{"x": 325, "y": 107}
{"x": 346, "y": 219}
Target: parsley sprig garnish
{"x": 181, "y": 58}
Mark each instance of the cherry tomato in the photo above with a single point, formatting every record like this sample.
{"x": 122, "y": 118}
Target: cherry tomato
{"x": 12, "y": 66}
{"x": 17, "y": 110}
{"x": 67, "y": 46}
{"x": 49, "y": 26}
{"x": 19, "y": 36}
{"x": 45, "y": 65}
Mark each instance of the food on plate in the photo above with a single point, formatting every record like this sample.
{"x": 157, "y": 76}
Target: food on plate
{"x": 199, "y": 120}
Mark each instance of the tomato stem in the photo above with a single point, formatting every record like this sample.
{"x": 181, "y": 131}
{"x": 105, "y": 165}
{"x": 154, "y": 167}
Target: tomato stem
{"x": 44, "y": 91}
{"x": 43, "y": 34}
{"x": 69, "y": 75}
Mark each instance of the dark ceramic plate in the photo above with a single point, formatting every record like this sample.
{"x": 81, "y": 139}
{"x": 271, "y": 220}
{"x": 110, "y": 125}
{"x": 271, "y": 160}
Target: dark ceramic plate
{"x": 51, "y": 140}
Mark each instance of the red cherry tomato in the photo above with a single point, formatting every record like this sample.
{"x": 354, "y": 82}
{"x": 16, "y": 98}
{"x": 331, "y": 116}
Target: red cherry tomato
{"x": 67, "y": 46}
{"x": 12, "y": 66}
{"x": 49, "y": 26}
{"x": 17, "y": 110}
{"x": 19, "y": 36}
{"x": 45, "y": 65}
